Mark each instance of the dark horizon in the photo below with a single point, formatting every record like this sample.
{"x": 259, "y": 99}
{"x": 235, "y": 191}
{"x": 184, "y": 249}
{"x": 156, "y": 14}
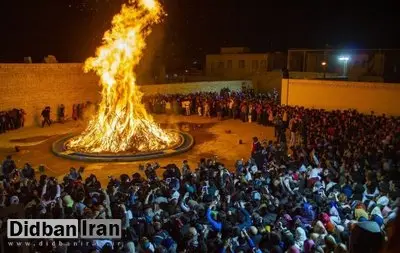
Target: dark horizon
{"x": 72, "y": 29}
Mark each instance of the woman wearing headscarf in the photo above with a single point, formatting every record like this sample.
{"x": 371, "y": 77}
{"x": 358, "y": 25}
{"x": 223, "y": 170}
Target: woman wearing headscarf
{"x": 360, "y": 213}
{"x": 300, "y": 237}
{"x": 330, "y": 244}
{"x": 326, "y": 221}
{"x": 319, "y": 233}
{"x": 308, "y": 246}
{"x": 334, "y": 213}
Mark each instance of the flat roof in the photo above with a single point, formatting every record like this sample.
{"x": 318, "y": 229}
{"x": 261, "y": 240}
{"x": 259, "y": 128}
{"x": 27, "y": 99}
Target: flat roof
{"x": 237, "y": 54}
{"x": 251, "y": 53}
{"x": 345, "y": 49}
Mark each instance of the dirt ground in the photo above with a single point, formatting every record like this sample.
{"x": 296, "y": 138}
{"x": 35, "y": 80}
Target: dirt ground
{"x": 212, "y": 138}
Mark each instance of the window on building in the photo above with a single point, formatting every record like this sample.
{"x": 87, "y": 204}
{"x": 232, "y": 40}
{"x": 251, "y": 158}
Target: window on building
{"x": 212, "y": 67}
{"x": 263, "y": 64}
{"x": 229, "y": 64}
{"x": 241, "y": 64}
{"x": 221, "y": 65}
{"x": 255, "y": 64}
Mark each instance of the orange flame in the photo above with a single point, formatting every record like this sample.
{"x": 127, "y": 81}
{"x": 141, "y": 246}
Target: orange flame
{"x": 121, "y": 122}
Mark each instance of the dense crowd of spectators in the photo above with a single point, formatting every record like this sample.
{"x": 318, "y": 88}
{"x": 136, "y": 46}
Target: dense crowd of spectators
{"x": 334, "y": 186}
{"x": 215, "y": 104}
{"x": 11, "y": 120}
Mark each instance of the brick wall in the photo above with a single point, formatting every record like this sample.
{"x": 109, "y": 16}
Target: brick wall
{"x": 34, "y": 86}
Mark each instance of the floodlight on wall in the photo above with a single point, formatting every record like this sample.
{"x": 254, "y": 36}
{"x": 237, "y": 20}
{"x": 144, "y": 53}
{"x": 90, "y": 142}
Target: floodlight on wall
{"x": 323, "y": 64}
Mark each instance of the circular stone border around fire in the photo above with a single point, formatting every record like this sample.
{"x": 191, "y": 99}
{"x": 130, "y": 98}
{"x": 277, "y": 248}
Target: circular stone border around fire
{"x": 184, "y": 145}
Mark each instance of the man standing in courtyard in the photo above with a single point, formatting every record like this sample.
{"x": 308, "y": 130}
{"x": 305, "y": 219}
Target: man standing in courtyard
{"x": 186, "y": 105}
{"x": 293, "y": 125}
{"x": 46, "y": 116}
{"x": 256, "y": 147}
{"x": 61, "y": 113}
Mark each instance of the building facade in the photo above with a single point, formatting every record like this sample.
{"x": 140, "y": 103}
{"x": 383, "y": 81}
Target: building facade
{"x": 376, "y": 65}
{"x": 239, "y": 63}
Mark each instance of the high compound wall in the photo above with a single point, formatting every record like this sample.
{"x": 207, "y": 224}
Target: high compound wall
{"x": 34, "y": 86}
{"x": 330, "y": 95}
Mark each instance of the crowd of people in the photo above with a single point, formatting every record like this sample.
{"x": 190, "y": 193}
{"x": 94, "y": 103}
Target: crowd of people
{"x": 78, "y": 113}
{"x": 15, "y": 118}
{"x": 244, "y": 105}
{"x": 11, "y": 120}
{"x": 328, "y": 182}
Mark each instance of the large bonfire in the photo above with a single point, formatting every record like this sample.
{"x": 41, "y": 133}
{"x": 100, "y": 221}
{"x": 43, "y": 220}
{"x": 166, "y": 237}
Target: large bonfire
{"x": 121, "y": 123}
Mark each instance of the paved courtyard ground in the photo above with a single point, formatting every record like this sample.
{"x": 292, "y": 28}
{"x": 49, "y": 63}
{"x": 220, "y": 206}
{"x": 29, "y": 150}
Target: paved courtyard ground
{"x": 211, "y": 139}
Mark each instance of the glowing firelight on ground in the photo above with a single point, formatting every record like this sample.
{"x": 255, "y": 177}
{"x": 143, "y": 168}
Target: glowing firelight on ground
{"x": 121, "y": 122}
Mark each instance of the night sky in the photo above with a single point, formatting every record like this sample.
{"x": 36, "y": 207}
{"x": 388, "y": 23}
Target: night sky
{"x": 72, "y": 29}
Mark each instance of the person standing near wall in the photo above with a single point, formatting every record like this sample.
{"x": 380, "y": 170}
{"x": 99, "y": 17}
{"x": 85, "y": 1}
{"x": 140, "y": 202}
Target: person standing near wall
{"x": 299, "y": 130}
{"x": 46, "y": 116}
{"x": 207, "y": 109}
{"x": 270, "y": 117}
{"x": 285, "y": 119}
{"x": 278, "y": 127}
{"x": 22, "y": 114}
{"x": 74, "y": 112}
{"x": 219, "y": 110}
{"x": 81, "y": 109}
{"x": 244, "y": 112}
{"x": 258, "y": 112}
{"x": 199, "y": 108}
{"x": 14, "y": 118}
{"x": 293, "y": 130}
{"x": 255, "y": 148}
{"x": 78, "y": 111}
{"x": 2, "y": 123}
{"x": 193, "y": 106}
{"x": 250, "y": 114}
{"x": 61, "y": 113}
{"x": 175, "y": 106}
{"x": 187, "y": 107}
{"x": 168, "y": 107}
{"x": 231, "y": 107}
